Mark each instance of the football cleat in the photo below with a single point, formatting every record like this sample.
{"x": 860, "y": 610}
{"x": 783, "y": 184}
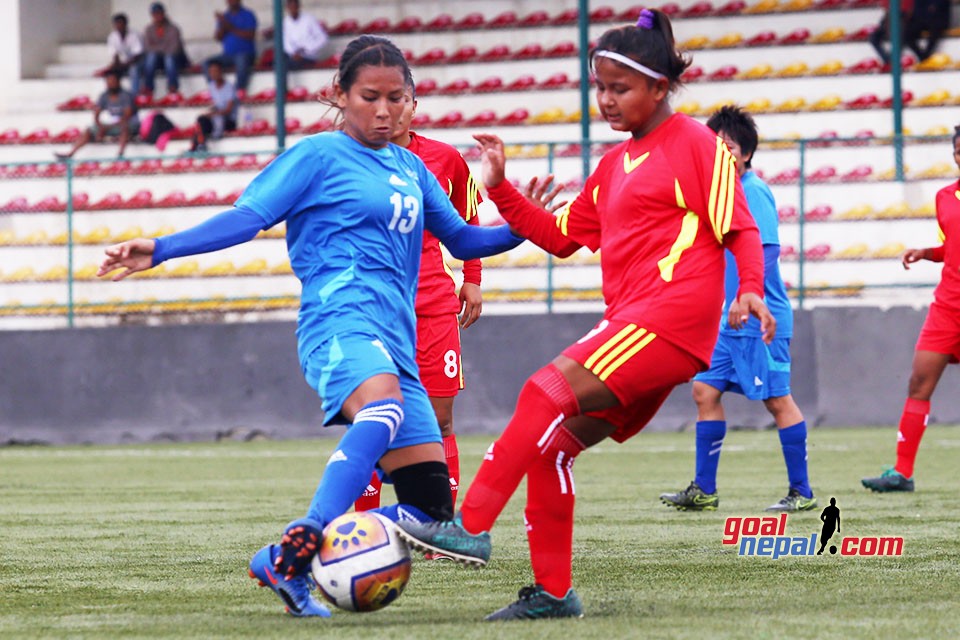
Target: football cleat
{"x": 534, "y": 603}
{"x": 889, "y": 480}
{"x": 794, "y": 501}
{"x": 691, "y": 499}
{"x": 299, "y": 544}
{"x": 295, "y": 592}
{"x": 447, "y": 537}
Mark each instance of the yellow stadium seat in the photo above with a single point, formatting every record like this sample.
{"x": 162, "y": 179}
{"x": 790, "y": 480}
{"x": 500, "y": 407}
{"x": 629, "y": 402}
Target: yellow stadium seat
{"x": 938, "y": 170}
{"x": 758, "y": 105}
{"x": 796, "y": 5}
{"x": 129, "y": 233}
{"x": 898, "y": 210}
{"x": 936, "y": 62}
{"x": 939, "y": 130}
{"x": 165, "y": 230}
{"x": 791, "y": 104}
{"x": 696, "y": 42}
{"x": 926, "y": 210}
{"x": 793, "y": 70}
{"x": 532, "y": 259}
{"x": 728, "y": 40}
{"x": 187, "y": 269}
{"x": 938, "y": 98}
{"x": 833, "y": 34}
{"x": 763, "y": 70}
{"x": 891, "y": 173}
{"x": 100, "y": 235}
{"x": 22, "y": 274}
{"x": 535, "y": 151}
{"x": 53, "y": 274}
{"x": 7, "y": 237}
{"x": 35, "y": 237}
{"x": 689, "y": 108}
{"x": 829, "y": 68}
{"x": 827, "y": 103}
{"x": 499, "y": 260}
{"x": 859, "y": 212}
{"x": 222, "y": 268}
{"x": 716, "y": 106}
{"x": 550, "y": 116}
{"x": 159, "y": 271}
{"x": 282, "y": 269}
{"x": 253, "y": 268}
{"x": 854, "y": 252}
{"x": 890, "y": 250}
{"x": 86, "y": 272}
{"x": 763, "y": 6}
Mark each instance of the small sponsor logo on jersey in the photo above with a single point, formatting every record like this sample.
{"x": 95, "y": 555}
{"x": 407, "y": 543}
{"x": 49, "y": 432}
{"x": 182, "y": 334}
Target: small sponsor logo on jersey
{"x": 338, "y": 456}
{"x": 757, "y": 381}
{"x": 397, "y": 182}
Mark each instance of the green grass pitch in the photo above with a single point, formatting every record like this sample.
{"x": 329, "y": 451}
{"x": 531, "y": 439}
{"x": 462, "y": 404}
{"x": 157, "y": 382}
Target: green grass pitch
{"x": 153, "y": 540}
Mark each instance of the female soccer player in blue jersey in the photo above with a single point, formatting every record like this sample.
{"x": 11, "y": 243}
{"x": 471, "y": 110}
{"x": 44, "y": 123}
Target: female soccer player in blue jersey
{"x": 355, "y": 207}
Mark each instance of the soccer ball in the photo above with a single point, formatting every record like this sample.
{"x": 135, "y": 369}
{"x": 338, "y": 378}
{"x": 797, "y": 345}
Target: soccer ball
{"x": 362, "y": 564}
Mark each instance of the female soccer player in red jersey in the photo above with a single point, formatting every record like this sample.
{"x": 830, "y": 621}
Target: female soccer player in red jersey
{"x": 663, "y": 205}
{"x": 438, "y": 304}
{"x": 939, "y": 342}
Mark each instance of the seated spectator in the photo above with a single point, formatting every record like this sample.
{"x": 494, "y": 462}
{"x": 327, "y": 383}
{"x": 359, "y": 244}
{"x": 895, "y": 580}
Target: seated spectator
{"x": 236, "y": 29}
{"x": 115, "y": 115}
{"x": 126, "y": 52}
{"x": 164, "y": 48}
{"x": 930, "y": 18}
{"x": 305, "y": 42}
{"x": 223, "y": 116}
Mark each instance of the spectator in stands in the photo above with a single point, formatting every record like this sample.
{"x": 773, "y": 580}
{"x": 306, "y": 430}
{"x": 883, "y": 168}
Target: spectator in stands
{"x": 115, "y": 116}
{"x": 930, "y": 19}
{"x": 236, "y": 29}
{"x": 126, "y": 51}
{"x": 223, "y": 115}
{"x": 164, "y": 47}
{"x": 305, "y": 42}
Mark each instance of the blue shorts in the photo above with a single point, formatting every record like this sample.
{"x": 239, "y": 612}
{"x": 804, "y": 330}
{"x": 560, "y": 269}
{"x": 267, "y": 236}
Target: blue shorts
{"x": 341, "y": 364}
{"x": 745, "y": 365}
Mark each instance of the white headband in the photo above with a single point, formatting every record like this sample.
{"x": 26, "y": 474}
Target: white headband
{"x": 633, "y": 64}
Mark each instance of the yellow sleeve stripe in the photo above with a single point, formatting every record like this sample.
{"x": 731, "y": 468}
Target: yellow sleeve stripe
{"x": 722, "y": 192}
{"x": 596, "y": 194}
{"x": 616, "y": 364}
{"x": 941, "y": 234}
{"x": 599, "y": 353}
{"x": 473, "y": 196}
{"x": 562, "y": 218}
{"x": 680, "y": 201}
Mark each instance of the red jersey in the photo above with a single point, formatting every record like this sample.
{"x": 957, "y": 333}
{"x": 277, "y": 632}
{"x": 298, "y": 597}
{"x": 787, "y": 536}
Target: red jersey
{"x": 436, "y": 290}
{"x": 947, "y": 292}
{"x": 661, "y": 209}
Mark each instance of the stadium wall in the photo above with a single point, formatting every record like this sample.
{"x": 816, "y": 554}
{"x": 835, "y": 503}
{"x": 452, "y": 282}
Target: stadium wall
{"x": 195, "y": 382}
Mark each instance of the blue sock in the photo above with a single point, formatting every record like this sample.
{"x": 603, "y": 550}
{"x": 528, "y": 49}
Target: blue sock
{"x": 404, "y": 512}
{"x": 710, "y": 435}
{"x": 793, "y": 441}
{"x": 349, "y": 468}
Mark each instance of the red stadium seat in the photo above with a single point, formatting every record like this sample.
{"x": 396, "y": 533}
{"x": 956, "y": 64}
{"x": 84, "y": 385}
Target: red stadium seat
{"x": 180, "y": 165}
{"x": 568, "y": 16}
{"x": 421, "y": 121}
{"x": 863, "y": 172}
{"x": 817, "y": 252}
{"x": 433, "y": 56}
{"x": 426, "y": 87}
{"x": 603, "y": 14}
{"x": 204, "y": 199}
{"x": 505, "y": 19}
{"x": 377, "y": 25}
{"x": 788, "y": 252}
{"x": 213, "y": 163}
{"x": 199, "y": 99}
{"x": 323, "y": 124}
{"x": 558, "y": 80}
{"x": 172, "y": 199}
{"x": 787, "y": 213}
{"x": 70, "y": 134}
{"x": 499, "y": 52}
{"x": 517, "y": 116}
{"x": 460, "y": 85}
{"x": 140, "y": 200}
{"x": 86, "y": 168}
{"x": 535, "y": 19}
{"x": 441, "y": 22}
{"x": 787, "y": 176}
{"x": 823, "y": 174}
{"x": 10, "y": 136}
{"x": 569, "y": 151}
{"x": 171, "y": 100}
{"x": 144, "y": 100}
{"x": 564, "y": 49}
{"x": 345, "y": 27}
{"x": 726, "y": 72}
{"x": 532, "y": 50}
{"x": 16, "y": 205}
{"x": 117, "y": 167}
{"x": 472, "y": 153}
{"x": 258, "y": 127}
{"x": 693, "y": 74}
{"x": 298, "y": 94}
{"x": 264, "y": 96}
{"x": 408, "y": 24}
{"x": 76, "y": 103}
{"x": 906, "y": 98}
{"x": 867, "y": 65}
{"x": 471, "y": 21}
{"x": 149, "y": 166}
{"x": 819, "y": 213}
{"x": 465, "y": 53}
{"x": 861, "y": 34}
{"x": 451, "y": 119}
{"x": 698, "y": 10}
{"x": 631, "y": 14}
{"x": 246, "y": 162}
{"x": 522, "y": 83}
{"x": 485, "y": 117}
{"x": 672, "y": 10}
{"x": 866, "y": 101}
{"x": 732, "y": 7}
{"x": 110, "y": 201}
{"x": 762, "y": 39}
{"x": 40, "y": 136}
{"x": 493, "y": 83}
{"x": 797, "y": 36}
{"x": 821, "y": 5}
{"x": 56, "y": 170}
{"x": 292, "y": 125}
{"x": 81, "y": 201}
{"x": 50, "y": 203}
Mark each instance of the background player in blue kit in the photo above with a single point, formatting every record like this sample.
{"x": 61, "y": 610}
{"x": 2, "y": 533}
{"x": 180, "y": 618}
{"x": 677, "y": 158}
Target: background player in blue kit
{"x": 741, "y": 362}
{"x": 355, "y": 207}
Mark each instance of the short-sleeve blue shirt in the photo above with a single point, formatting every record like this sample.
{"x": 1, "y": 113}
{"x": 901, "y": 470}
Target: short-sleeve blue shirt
{"x": 242, "y": 19}
{"x": 355, "y": 219}
{"x": 763, "y": 208}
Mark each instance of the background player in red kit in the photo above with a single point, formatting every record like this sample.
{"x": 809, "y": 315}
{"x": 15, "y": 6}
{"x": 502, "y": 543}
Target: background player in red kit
{"x": 662, "y": 206}
{"x": 438, "y": 305}
{"x": 939, "y": 342}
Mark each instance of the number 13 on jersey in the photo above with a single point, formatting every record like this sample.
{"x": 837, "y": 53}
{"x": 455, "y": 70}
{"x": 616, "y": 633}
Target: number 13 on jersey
{"x": 405, "y": 212}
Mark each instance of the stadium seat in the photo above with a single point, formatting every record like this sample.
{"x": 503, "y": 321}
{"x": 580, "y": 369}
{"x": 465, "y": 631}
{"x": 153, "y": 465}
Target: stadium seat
{"x": 689, "y": 108}
{"x": 38, "y": 136}
{"x": 68, "y": 135}
{"x": 206, "y": 198}
{"x": 787, "y": 176}
{"x": 857, "y": 251}
{"x": 9, "y": 136}
{"x": 408, "y": 24}
{"x": 793, "y": 70}
{"x": 819, "y": 251}
{"x": 726, "y": 72}
{"x": 528, "y": 52}
{"x": 936, "y": 171}
{"x": 570, "y": 16}
{"x": 889, "y": 250}
{"x": 81, "y": 201}
{"x": 559, "y": 80}
{"x": 255, "y": 267}
{"x": 823, "y": 174}
{"x": 426, "y": 86}
{"x": 829, "y": 68}
{"x": 76, "y": 103}
{"x": 866, "y": 101}
{"x": 693, "y": 73}
{"x": 758, "y": 105}
{"x": 819, "y": 213}
{"x": 421, "y": 121}
{"x": 938, "y": 98}
{"x": 859, "y": 212}
{"x": 762, "y": 39}
{"x": 522, "y": 83}
{"x": 323, "y": 124}
{"x": 535, "y": 19}
{"x": 345, "y": 27}
{"x": 762, "y": 70}
{"x": 140, "y": 200}
{"x": 485, "y": 117}
{"x": 491, "y": 84}
{"x": 821, "y": 5}
{"x": 503, "y": 20}
{"x": 698, "y": 10}
{"x": 796, "y": 5}
{"x": 867, "y": 65}
{"x": 788, "y": 213}
{"x": 833, "y": 34}
{"x": 148, "y": 166}
{"x": 184, "y": 269}
{"x": 563, "y": 49}
{"x": 671, "y": 9}
{"x": 451, "y": 119}
{"x": 906, "y": 98}
{"x": 937, "y": 62}
{"x": 515, "y": 117}
{"x": 377, "y": 25}
{"x": 172, "y": 200}
{"x": 763, "y": 6}
{"x": 50, "y": 203}
{"x": 797, "y": 36}
{"x": 432, "y": 56}
{"x": 696, "y": 42}
{"x": 466, "y": 53}
{"x": 458, "y": 86}
{"x": 130, "y": 233}
{"x": 827, "y": 103}
{"x": 894, "y": 211}
{"x": 109, "y": 201}
{"x": 246, "y": 162}
{"x": 442, "y": 22}
{"x": 858, "y": 174}
{"x": 298, "y": 94}
{"x": 862, "y": 34}
{"x": 732, "y": 7}
{"x": 496, "y": 53}
{"x": 728, "y": 41}
{"x": 99, "y": 235}
{"x": 603, "y": 14}
{"x": 791, "y": 105}
{"x": 170, "y": 100}
{"x": 55, "y": 170}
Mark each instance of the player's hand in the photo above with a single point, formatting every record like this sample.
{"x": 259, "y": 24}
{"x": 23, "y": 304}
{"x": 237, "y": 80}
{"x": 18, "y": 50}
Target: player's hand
{"x": 471, "y": 304}
{"x": 912, "y": 255}
{"x": 539, "y": 193}
{"x": 130, "y": 256}
{"x": 734, "y": 317}
{"x": 752, "y": 305}
{"x": 494, "y": 160}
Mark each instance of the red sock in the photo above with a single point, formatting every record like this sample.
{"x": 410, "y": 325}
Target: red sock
{"x": 545, "y": 401}
{"x": 913, "y": 422}
{"x": 370, "y": 498}
{"x": 452, "y": 454}
{"x": 549, "y": 513}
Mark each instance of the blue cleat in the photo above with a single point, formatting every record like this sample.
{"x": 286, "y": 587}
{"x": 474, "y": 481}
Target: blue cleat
{"x": 295, "y": 592}
{"x": 300, "y": 542}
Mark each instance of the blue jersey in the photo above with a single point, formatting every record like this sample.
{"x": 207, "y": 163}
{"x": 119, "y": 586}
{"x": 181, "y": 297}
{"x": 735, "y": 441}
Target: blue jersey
{"x": 355, "y": 219}
{"x": 764, "y": 211}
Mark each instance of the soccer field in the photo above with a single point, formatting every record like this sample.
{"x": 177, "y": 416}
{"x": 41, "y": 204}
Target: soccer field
{"x": 153, "y": 541}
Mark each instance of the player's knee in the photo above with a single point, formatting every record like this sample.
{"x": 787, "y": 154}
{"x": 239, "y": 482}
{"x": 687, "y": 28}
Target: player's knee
{"x": 921, "y": 385}
{"x": 426, "y": 486}
{"x": 705, "y": 396}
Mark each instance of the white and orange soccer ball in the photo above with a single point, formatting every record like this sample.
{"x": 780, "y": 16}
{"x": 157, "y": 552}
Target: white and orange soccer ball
{"x": 362, "y": 564}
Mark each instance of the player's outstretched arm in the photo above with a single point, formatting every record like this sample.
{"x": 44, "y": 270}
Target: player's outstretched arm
{"x": 933, "y": 254}
{"x": 223, "y": 230}
{"x": 541, "y": 192}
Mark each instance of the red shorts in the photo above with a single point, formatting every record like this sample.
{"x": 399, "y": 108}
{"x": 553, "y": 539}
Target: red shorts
{"x": 941, "y": 332}
{"x": 640, "y": 368}
{"x": 438, "y": 355}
